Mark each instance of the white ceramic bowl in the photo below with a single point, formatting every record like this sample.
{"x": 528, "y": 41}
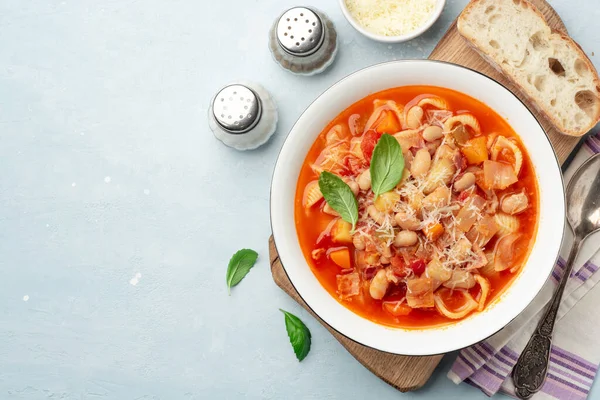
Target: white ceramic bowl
{"x": 394, "y": 39}
{"x": 551, "y": 213}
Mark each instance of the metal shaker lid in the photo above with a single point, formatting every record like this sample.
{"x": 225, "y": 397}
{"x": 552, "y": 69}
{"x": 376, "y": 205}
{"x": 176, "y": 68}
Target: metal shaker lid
{"x": 300, "y": 31}
{"x": 237, "y": 108}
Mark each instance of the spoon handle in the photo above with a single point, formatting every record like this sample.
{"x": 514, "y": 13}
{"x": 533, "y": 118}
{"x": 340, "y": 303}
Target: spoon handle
{"x": 530, "y": 370}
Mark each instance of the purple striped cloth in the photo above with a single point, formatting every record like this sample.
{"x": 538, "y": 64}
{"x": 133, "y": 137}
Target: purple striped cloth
{"x": 575, "y": 354}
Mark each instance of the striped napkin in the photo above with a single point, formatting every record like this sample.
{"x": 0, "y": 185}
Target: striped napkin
{"x": 575, "y": 352}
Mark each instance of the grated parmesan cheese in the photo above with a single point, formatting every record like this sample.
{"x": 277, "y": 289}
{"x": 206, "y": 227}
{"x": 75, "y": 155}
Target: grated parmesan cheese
{"x": 391, "y": 17}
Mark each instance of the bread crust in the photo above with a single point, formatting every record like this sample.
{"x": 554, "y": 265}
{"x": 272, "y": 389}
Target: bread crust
{"x": 537, "y": 104}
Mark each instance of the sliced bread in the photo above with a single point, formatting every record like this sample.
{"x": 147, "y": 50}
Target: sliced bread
{"x": 547, "y": 66}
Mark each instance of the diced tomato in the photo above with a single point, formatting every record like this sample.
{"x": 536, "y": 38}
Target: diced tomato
{"x": 463, "y": 163}
{"x": 398, "y": 266}
{"x": 464, "y": 195}
{"x": 397, "y": 261}
{"x": 396, "y": 292}
{"x": 354, "y": 165}
{"x": 418, "y": 267}
{"x": 367, "y": 145}
{"x": 369, "y": 272}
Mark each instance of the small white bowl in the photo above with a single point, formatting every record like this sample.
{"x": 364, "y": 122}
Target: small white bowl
{"x": 518, "y": 295}
{"x": 394, "y": 39}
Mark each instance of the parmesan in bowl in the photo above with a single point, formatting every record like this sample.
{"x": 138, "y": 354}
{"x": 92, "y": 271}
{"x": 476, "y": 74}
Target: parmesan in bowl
{"x": 392, "y": 21}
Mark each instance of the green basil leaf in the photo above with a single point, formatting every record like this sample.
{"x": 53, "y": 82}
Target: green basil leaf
{"x": 387, "y": 165}
{"x": 299, "y": 335}
{"x": 239, "y": 265}
{"x": 339, "y": 196}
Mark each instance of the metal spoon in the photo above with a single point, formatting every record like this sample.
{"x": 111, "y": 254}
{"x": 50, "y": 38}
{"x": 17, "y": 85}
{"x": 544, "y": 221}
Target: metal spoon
{"x": 583, "y": 214}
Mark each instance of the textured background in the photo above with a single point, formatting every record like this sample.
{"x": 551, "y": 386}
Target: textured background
{"x": 119, "y": 210}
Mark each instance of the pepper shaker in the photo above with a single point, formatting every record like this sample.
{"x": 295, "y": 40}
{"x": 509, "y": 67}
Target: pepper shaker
{"x": 243, "y": 115}
{"x": 303, "y": 41}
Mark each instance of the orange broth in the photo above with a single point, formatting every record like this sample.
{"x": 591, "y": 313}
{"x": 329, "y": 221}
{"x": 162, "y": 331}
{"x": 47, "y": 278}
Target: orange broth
{"x": 312, "y": 222}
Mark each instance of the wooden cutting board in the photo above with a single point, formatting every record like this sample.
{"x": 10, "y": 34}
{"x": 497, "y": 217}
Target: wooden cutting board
{"x": 411, "y": 373}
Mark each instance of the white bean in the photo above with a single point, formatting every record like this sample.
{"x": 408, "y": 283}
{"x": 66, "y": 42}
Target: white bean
{"x": 433, "y": 146}
{"x": 359, "y": 242}
{"x": 407, "y": 221}
{"x": 464, "y": 182}
{"x": 405, "y": 239}
{"x": 515, "y": 203}
{"x": 414, "y": 117}
{"x": 364, "y": 180}
{"x": 433, "y": 133}
{"x": 354, "y": 187}
{"x": 421, "y": 163}
{"x": 378, "y": 216}
{"x": 379, "y": 285}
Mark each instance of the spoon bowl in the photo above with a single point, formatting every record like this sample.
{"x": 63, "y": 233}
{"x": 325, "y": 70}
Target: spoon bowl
{"x": 583, "y": 198}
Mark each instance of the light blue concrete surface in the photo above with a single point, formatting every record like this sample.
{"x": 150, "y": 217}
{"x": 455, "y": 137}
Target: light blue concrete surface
{"x": 119, "y": 210}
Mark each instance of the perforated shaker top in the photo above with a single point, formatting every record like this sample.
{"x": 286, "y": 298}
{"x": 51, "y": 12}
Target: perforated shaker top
{"x": 300, "y": 31}
{"x": 237, "y": 108}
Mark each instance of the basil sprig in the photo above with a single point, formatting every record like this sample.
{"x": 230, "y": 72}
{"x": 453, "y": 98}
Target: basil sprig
{"x": 387, "y": 165}
{"x": 339, "y": 196}
{"x": 299, "y": 335}
{"x": 239, "y": 266}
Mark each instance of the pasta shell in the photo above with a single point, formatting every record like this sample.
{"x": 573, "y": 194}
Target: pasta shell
{"x": 355, "y": 148}
{"x": 359, "y": 242}
{"x": 503, "y": 143}
{"x": 507, "y": 224}
{"x": 335, "y": 134}
{"x": 491, "y": 139}
{"x": 465, "y": 119}
{"x": 414, "y": 117}
{"x": 408, "y": 139}
{"x": 489, "y": 269}
{"x": 435, "y": 102}
{"x": 485, "y": 290}
{"x": 312, "y": 194}
{"x": 441, "y": 173}
{"x": 460, "y": 279}
{"x": 331, "y": 158}
{"x": 468, "y": 306}
{"x": 504, "y": 256}
{"x": 515, "y": 203}
{"x": 354, "y": 125}
{"x": 438, "y": 117}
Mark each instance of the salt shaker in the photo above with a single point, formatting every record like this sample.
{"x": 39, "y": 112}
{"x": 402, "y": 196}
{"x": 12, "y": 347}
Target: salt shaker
{"x": 303, "y": 41}
{"x": 243, "y": 115}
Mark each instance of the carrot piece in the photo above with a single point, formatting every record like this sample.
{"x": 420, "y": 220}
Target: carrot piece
{"x": 341, "y": 257}
{"x": 397, "y": 308}
{"x": 475, "y": 150}
{"x": 388, "y": 123}
{"x": 433, "y": 232}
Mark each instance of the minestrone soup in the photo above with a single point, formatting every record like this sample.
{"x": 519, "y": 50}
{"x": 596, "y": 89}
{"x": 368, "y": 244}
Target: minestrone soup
{"x": 443, "y": 242}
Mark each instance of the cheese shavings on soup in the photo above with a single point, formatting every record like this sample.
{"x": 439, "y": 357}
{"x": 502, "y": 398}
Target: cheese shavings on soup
{"x": 391, "y": 17}
{"x": 453, "y": 233}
